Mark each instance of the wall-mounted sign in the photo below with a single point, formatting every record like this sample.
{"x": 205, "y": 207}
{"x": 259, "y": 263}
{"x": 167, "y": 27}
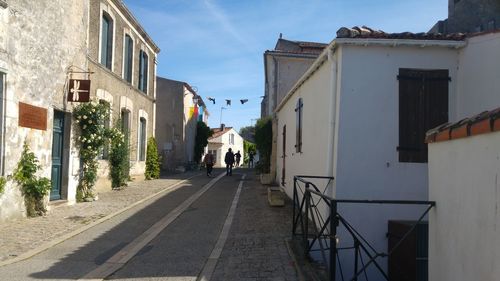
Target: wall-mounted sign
{"x": 79, "y": 90}
{"x": 32, "y": 116}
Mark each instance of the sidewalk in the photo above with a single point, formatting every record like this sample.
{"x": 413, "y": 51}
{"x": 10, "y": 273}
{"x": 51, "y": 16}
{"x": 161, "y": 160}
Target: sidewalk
{"x": 256, "y": 249}
{"x": 20, "y": 237}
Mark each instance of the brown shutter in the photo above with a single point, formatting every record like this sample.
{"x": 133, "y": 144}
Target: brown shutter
{"x": 423, "y": 105}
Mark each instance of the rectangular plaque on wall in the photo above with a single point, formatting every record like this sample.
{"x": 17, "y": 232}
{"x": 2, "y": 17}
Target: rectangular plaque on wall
{"x": 31, "y": 116}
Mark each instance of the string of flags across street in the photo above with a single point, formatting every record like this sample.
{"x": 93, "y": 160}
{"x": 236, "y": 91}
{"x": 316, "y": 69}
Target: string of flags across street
{"x": 228, "y": 101}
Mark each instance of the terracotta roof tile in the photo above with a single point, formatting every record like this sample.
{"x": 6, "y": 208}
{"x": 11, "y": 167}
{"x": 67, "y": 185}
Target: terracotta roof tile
{"x": 366, "y": 32}
{"x": 482, "y": 123}
{"x": 217, "y": 132}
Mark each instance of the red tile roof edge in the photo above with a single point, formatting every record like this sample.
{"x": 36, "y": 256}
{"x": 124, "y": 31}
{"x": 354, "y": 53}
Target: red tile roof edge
{"x": 482, "y": 123}
{"x": 217, "y": 132}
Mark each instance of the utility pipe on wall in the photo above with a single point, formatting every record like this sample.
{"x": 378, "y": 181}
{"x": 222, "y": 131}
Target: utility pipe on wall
{"x": 332, "y": 113}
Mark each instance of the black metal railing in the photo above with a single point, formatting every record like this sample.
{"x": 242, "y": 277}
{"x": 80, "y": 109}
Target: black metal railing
{"x": 315, "y": 221}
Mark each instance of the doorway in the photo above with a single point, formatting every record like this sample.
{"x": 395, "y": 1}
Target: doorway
{"x": 283, "y": 170}
{"x": 57, "y": 155}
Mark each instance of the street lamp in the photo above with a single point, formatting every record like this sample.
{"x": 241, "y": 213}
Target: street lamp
{"x": 221, "y": 108}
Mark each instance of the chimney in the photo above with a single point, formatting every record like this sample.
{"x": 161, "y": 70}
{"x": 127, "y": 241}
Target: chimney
{"x": 222, "y": 126}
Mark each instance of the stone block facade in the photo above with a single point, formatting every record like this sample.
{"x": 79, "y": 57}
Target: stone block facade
{"x": 45, "y": 43}
{"x": 37, "y": 53}
{"x": 469, "y": 16}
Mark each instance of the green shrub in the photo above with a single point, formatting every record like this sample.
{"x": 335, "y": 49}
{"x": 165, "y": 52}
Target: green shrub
{"x": 3, "y": 182}
{"x": 203, "y": 132}
{"x": 119, "y": 157}
{"x": 34, "y": 189}
{"x": 152, "y": 160}
{"x": 264, "y": 141}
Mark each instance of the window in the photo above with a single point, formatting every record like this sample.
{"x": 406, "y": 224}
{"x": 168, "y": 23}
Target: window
{"x": 423, "y": 105}
{"x": 125, "y": 122}
{"x": 127, "y": 58}
{"x": 298, "y": 127}
{"x": 107, "y": 41}
{"x": 142, "y": 139}
{"x": 214, "y": 153}
{"x": 106, "y": 122}
{"x": 231, "y": 138}
{"x": 143, "y": 71}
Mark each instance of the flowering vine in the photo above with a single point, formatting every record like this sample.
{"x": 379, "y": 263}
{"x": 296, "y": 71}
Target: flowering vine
{"x": 90, "y": 119}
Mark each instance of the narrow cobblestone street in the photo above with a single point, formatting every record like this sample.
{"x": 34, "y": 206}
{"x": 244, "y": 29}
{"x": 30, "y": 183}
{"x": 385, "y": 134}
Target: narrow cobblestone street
{"x": 20, "y": 236}
{"x": 255, "y": 248}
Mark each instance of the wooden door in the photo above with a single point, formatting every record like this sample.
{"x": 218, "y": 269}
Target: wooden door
{"x": 283, "y": 170}
{"x": 57, "y": 155}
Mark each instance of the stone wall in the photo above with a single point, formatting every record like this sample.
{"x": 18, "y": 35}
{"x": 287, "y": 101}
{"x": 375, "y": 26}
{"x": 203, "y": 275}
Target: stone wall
{"x": 119, "y": 92}
{"x": 473, "y": 15}
{"x": 39, "y": 42}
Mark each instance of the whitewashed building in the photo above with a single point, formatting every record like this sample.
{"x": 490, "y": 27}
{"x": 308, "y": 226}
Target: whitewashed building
{"x": 464, "y": 171}
{"x": 221, "y": 140}
{"x": 353, "y": 116}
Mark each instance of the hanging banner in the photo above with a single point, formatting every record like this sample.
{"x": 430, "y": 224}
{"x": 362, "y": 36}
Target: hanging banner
{"x": 200, "y": 113}
{"x": 79, "y": 90}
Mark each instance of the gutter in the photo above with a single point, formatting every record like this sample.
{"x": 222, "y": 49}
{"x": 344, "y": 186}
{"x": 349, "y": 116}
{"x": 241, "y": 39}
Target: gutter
{"x": 366, "y": 42}
{"x": 332, "y": 118}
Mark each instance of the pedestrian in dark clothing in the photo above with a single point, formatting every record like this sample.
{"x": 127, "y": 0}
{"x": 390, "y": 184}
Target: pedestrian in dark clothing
{"x": 250, "y": 160}
{"x": 237, "y": 157}
{"x": 209, "y": 163}
{"x": 229, "y": 160}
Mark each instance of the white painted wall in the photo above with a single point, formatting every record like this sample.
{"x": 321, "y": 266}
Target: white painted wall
{"x": 478, "y": 80}
{"x": 464, "y": 180}
{"x": 315, "y": 94}
{"x": 366, "y": 164}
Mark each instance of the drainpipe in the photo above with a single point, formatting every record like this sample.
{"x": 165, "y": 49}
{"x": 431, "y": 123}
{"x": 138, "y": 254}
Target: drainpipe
{"x": 332, "y": 113}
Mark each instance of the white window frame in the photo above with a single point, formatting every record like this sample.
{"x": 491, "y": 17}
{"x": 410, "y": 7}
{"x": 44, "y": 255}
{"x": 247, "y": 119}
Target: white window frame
{"x": 148, "y": 74}
{"x": 126, "y": 32}
{"x": 142, "y": 114}
{"x": 106, "y": 8}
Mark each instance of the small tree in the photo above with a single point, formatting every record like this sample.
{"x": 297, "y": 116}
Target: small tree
{"x": 248, "y": 148}
{"x": 119, "y": 163}
{"x": 264, "y": 140}
{"x": 152, "y": 160}
{"x": 203, "y": 132}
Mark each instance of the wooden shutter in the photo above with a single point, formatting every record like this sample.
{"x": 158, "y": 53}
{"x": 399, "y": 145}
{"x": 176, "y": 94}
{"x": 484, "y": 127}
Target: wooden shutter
{"x": 298, "y": 118}
{"x": 423, "y": 105}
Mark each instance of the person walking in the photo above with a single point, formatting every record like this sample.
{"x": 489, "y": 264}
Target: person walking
{"x": 237, "y": 157}
{"x": 209, "y": 163}
{"x": 250, "y": 160}
{"x": 229, "y": 160}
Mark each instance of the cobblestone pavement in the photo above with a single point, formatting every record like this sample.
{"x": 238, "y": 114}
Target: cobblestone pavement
{"x": 20, "y": 236}
{"x": 255, "y": 249}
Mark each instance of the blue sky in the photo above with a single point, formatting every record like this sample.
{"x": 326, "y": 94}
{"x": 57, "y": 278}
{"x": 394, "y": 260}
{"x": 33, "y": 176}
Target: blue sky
{"x": 218, "y": 45}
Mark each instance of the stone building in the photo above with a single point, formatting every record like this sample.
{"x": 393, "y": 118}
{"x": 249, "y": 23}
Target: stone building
{"x": 45, "y": 43}
{"x": 122, "y": 57}
{"x": 38, "y": 54}
{"x": 176, "y": 122}
{"x": 470, "y": 16}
